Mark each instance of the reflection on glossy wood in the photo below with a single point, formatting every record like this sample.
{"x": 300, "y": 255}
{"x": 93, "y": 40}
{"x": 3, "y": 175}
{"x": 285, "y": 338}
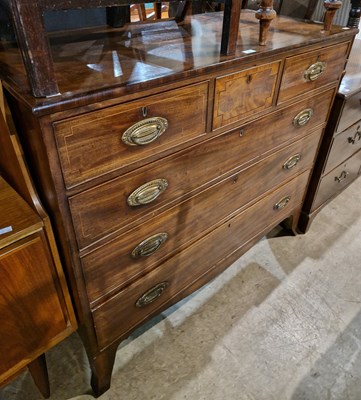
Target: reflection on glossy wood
{"x": 153, "y": 54}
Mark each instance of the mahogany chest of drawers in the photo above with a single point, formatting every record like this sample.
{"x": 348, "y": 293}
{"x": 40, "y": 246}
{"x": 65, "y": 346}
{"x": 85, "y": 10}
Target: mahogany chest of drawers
{"x": 339, "y": 159}
{"x": 162, "y": 162}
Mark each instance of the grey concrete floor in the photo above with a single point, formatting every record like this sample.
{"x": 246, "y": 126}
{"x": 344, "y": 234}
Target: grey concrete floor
{"x": 282, "y": 323}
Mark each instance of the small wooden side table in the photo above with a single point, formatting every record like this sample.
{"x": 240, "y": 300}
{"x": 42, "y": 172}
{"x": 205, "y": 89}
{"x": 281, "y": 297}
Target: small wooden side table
{"x": 35, "y": 308}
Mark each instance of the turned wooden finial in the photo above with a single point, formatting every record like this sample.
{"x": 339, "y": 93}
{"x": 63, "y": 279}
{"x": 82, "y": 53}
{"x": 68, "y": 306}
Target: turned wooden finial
{"x": 331, "y": 7}
{"x": 265, "y": 15}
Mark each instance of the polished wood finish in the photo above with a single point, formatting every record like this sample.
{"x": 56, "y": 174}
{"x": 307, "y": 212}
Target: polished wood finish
{"x": 27, "y": 18}
{"x": 91, "y": 145}
{"x": 243, "y": 147}
{"x": 111, "y": 267}
{"x": 103, "y": 210}
{"x": 119, "y": 315}
{"x": 294, "y": 82}
{"x": 244, "y": 93}
{"x": 87, "y": 78}
{"x": 338, "y": 163}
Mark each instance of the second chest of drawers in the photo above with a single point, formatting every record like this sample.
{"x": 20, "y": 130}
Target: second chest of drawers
{"x": 339, "y": 159}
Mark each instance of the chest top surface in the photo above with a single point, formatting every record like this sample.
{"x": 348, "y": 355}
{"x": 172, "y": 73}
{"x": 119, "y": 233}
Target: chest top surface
{"x": 92, "y": 65}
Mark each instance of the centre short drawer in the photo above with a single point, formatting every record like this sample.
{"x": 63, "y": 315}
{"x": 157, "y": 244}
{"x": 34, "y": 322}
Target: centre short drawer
{"x": 309, "y": 71}
{"x": 140, "y": 249}
{"x": 102, "y": 141}
{"x": 105, "y": 209}
{"x": 143, "y": 298}
{"x": 243, "y": 93}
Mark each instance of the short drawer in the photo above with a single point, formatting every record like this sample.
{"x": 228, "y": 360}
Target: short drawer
{"x": 309, "y": 71}
{"x": 135, "y": 252}
{"x": 351, "y": 112}
{"x": 243, "y": 93}
{"x": 337, "y": 179}
{"x": 344, "y": 145}
{"x": 142, "y": 299}
{"x": 104, "y": 209}
{"x": 102, "y": 141}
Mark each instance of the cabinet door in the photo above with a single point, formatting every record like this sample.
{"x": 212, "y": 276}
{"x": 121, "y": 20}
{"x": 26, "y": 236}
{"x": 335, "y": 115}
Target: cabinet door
{"x": 32, "y": 310}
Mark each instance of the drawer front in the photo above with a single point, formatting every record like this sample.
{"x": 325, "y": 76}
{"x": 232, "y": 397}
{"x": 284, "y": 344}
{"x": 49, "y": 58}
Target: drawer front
{"x": 351, "y": 112}
{"x": 147, "y": 295}
{"x": 309, "y": 71}
{"x": 140, "y": 249}
{"x": 344, "y": 145}
{"x": 103, "y": 210}
{"x": 244, "y": 93}
{"x": 102, "y": 141}
{"x": 336, "y": 180}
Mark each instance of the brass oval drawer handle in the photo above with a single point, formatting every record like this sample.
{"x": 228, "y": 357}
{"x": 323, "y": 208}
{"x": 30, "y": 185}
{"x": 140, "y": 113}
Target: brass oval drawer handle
{"x": 147, "y": 193}
{"x": 314, "y": 71}
{"x": 292, "y": 161}
{"x": 151, "y": 295}
{"x": 145, "y": 131}
{"x": 282, "y": 203}
{"x": 150, "y": 245}
{"x": 342, "y": 177}
{"x": 303, "y": 117}
{"x": 356, "y": 137}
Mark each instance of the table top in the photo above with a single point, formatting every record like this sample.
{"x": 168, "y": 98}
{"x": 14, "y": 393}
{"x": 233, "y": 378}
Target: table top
{"x": 101, "y": 63}
{"x": 17, "y": 219}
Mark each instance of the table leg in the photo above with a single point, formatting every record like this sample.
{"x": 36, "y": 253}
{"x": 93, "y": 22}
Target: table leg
{"x": 34, "y": 46}
{"x": 39, "y": 373}
{"x": 232, "y": 11}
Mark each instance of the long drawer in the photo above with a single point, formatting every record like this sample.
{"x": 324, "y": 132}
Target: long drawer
{"x": 344, "y": 145}
{"x": 102, "y": 141}
{"x": 146, "y": 296}
{"x": 135, "y": 252}
{"x": 306, "y": 72}
{"x": 104, "y": 209}
{"x": 337, "y": 179}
